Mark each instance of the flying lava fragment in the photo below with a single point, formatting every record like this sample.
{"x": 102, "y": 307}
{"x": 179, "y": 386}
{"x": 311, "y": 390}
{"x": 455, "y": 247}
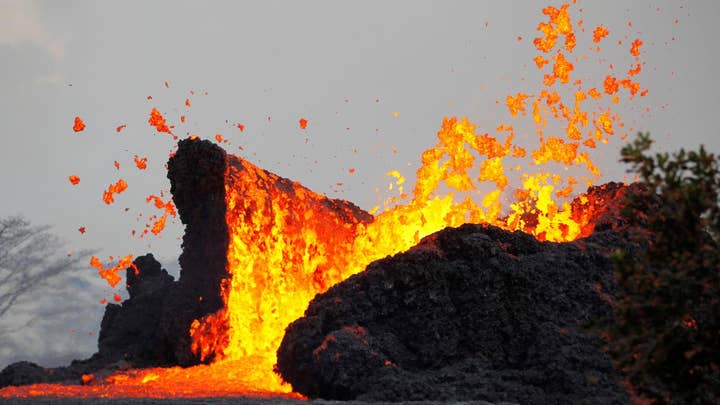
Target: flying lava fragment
{"x": 116, "y": 188}
{"x": 599, "y": 33}
{"x": 157, "y": 120}
{"x": 74, "y": 179}
{"x": 79, "y": 124}
{"x": 141, "y": 163}
{"x": 303, "y": 123}
{"x": 516, "y": 104}
{"x": 110, "y": 274}
{"x": 167, "y": 207}
{"x": 635, "y": 50}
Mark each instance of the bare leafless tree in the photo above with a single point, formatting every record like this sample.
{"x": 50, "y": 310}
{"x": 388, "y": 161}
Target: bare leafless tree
{"x": 30, "y": 260}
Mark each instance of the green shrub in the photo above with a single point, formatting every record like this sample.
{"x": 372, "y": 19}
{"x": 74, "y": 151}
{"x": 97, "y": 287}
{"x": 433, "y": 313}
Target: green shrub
{"x": 666, "y": 335}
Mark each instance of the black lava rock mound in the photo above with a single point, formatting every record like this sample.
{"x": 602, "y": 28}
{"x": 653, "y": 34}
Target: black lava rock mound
{"x": 151, "y": 328}
{"x": 471, "y": 313}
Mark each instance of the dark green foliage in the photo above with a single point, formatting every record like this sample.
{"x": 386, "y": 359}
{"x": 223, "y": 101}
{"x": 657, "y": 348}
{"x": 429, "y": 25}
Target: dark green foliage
{"x": 666, "y": 336}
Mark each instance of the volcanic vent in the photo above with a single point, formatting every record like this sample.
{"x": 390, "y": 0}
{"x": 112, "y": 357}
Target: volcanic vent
{"x": 276, "y": 246}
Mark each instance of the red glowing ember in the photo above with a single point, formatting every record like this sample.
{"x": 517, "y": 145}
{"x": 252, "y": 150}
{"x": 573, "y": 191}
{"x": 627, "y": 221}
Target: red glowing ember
{"x": 112, "y": 189}
{"x": 599, "y": 33}
{"x": 141, "y": 163}
{"x": 79, "y": 125}
{"x": 110, "y": 273}
{"x": 168, "y": 210}
{"x": 157, "y": 120}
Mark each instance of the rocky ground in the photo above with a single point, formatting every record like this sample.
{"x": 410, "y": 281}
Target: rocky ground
{"x": 471, "y": 313}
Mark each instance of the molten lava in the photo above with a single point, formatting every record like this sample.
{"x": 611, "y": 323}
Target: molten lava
{"x": 140, "y": 163}
{"x": 204, "y": 381}
{"x": 78, "y": 125}
{"x": 286, "y": 244}
{"x": 110, "y": 274}
{"x": 156, "y": 119}
{"x": 117, "y": 188}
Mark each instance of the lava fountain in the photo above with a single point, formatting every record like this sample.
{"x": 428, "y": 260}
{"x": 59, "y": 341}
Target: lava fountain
{"x": 287, "y": 244}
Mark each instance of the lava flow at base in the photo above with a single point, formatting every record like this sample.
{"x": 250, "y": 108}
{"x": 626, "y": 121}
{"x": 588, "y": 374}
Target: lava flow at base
{"x": 287, "y": 244}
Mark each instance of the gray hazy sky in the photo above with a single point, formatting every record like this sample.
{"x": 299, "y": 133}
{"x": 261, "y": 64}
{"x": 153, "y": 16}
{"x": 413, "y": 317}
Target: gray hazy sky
{"x": 346, "y": 67}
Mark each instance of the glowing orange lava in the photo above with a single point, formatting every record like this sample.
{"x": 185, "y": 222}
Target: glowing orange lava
{"x": 156, "y": 119}
{"x": 217, "y": 380}
{"x": 78, "y": 125}
{"x": 112, "y": 189}
{"x": 141, "y": 163}
{"x": 599, "y": 33}
{"x": 110, "y": 274}
{"x": 168, "y": 209}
